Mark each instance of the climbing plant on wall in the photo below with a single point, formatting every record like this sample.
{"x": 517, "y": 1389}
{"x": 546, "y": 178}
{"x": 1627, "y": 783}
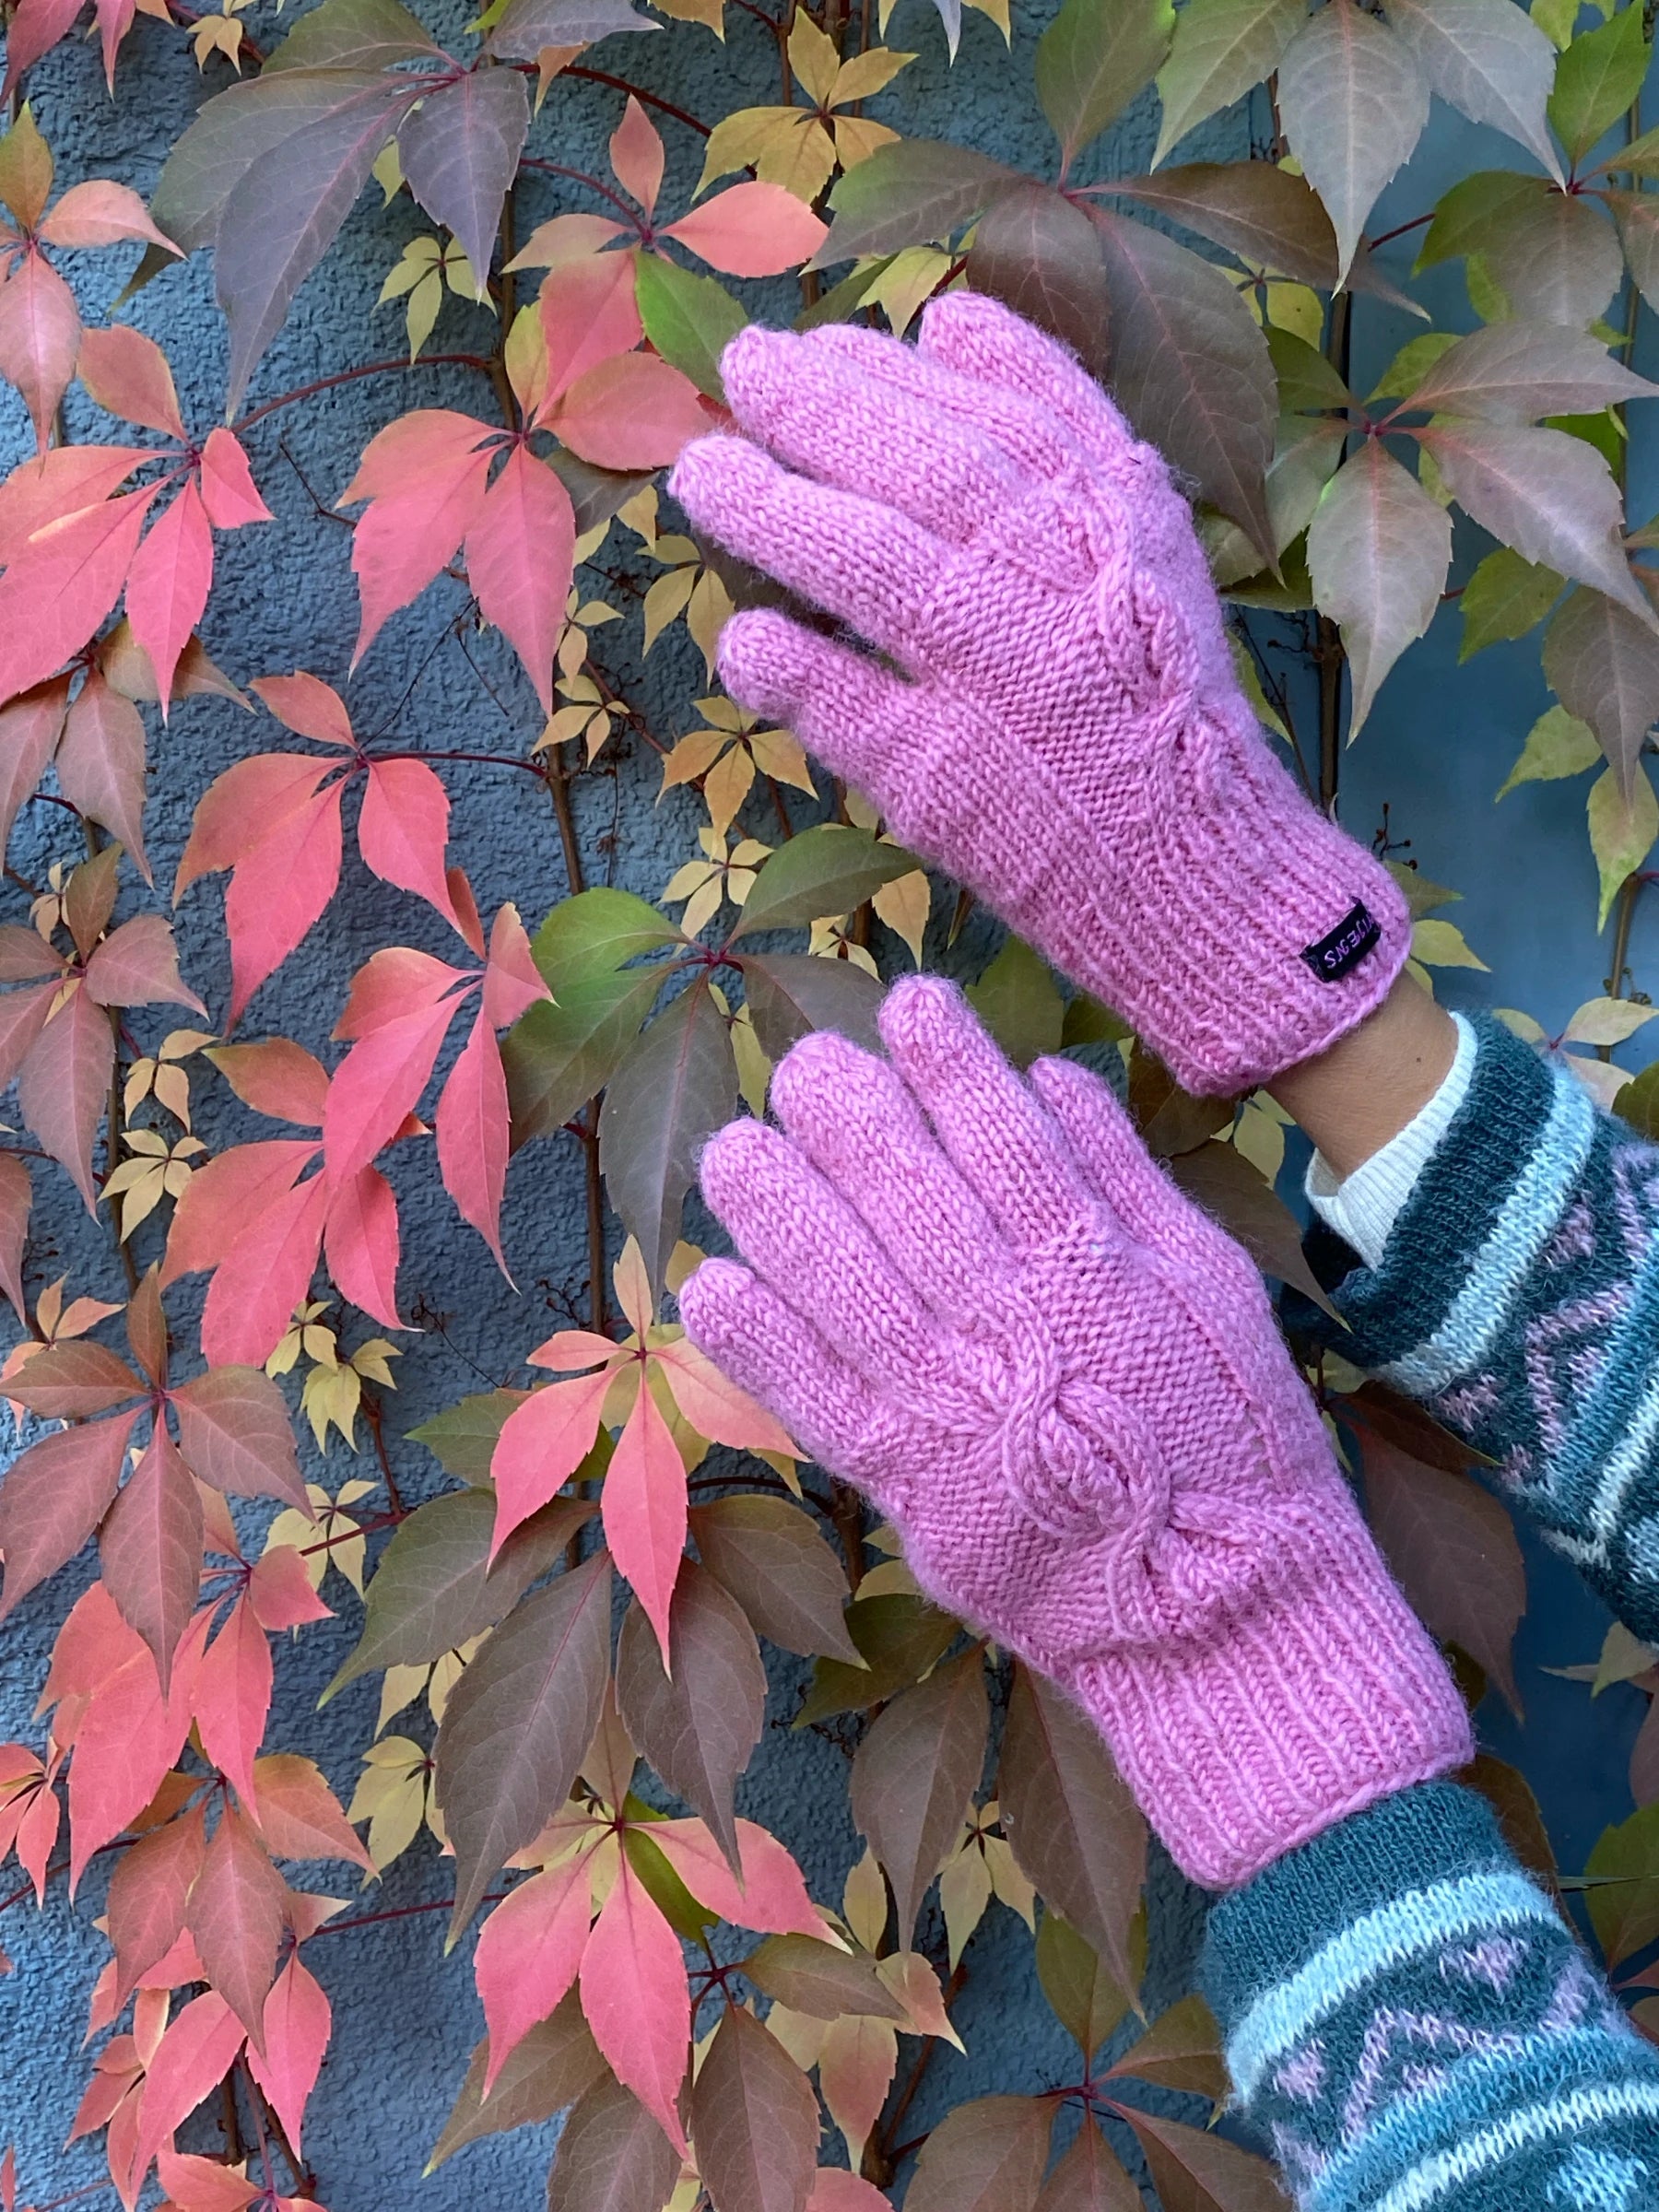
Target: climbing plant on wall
{"x": 711, "y": 2030}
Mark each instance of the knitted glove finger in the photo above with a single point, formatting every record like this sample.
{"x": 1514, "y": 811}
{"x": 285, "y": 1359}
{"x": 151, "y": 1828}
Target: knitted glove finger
{"x": 1107, "y": 1143}
{"x": 982, "y": 339}
{"x": 854, "y": 557}
{"x": 853, "y": 1119}
{"x": 786, "y": 1365}
{"x": 845, "y": 708}
{"x": 1025, "y": 430}
{"x": 827, "y": 417}
{"x": 988, "y": 1121}
{"x": 802, "y": 1240}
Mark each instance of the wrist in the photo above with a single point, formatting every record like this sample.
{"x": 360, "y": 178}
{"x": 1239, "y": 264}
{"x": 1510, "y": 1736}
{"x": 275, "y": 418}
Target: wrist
{"x": 1357, "y": 1097}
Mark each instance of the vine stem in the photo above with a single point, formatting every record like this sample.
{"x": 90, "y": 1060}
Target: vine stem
{"x": 479, "y": 361}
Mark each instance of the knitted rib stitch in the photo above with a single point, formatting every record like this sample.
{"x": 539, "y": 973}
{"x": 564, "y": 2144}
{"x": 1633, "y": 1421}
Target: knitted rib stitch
{"x": 1411, "y": 2026}
{"x": 980, "y": 1301}
{"x": 1518, "y": 1296}
{"x": 1068, "y": 737}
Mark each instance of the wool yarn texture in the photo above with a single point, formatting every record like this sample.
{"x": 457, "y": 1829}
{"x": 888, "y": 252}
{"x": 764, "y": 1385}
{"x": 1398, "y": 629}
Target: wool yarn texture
{"x": 980, "y": 1299}
{"x": 1055, "y": 718}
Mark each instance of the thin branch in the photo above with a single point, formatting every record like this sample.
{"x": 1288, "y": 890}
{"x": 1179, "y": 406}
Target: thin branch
{"x": 581, "y": 176}
{"x": 351, "y": 376}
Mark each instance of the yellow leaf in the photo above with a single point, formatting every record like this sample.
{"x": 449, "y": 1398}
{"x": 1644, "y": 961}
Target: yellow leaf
{"x": 964, "y": 1892}
{"x": 422, "y": 311}
{"x": 865, "y": 1902}
{"x": 172, "y": 1091}
{"x": 693, "y": 755}
{"x": 1557, "y": 744}
{"x": 801, "y": 159}
{"x": 780, "y": 757}
{"x": 710, "y": 13}
{"x": 800, "y": 2035}
{"x": 665, "y": 600}
{"x": 737, "y": 141}
{"x": 754, "y": 1069}
{"x": 998, "y": 12}
{"x": 1296, "y": 308}
{"x": 865, "y": 75}
{"x": 526, "y": 359}
{"x": 909, "y": 279}
{"x": 1261, "y": 1140}
{"x": 400, "y": 1686}
{"x": 814, "y": 59}
{"x": 706, "y": 613}
{"x": 855, "y": 2070}
{"x": 1440, "y": 945}
{"x": 387, "y": 173}
{"x": 1621, "y": 831}
{"x": 726, "y": 786}
{"x": 856, "y": 138}
{"x": 1009, "y": 1883}
{"x": 1522, "y": 1024}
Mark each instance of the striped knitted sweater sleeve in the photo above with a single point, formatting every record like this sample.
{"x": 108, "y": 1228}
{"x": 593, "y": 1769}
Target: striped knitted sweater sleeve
{"x": 1518, "y": 1296}
{"x": 1412, "y": 2026}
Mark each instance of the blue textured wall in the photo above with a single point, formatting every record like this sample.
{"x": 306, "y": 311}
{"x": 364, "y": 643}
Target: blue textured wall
{"x": 1439, "y": 745}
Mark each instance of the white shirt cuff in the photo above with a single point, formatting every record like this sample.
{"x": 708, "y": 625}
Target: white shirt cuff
{"x": 1363, "y": 1209}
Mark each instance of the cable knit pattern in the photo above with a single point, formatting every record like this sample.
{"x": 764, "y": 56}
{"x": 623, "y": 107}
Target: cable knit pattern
{"x": 1411, "y": 2026}
{"x": 1518, "y": 1295}
{"x": 1066, "y": 1388}
{"x": 1071, "y": 743}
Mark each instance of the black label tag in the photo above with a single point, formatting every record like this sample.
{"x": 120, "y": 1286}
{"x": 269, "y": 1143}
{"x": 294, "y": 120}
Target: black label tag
{"x": 1356, "y": 934}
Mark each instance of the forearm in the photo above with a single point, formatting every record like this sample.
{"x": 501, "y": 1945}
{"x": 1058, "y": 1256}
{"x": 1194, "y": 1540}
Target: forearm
{"x": 1411, "y": 2026}
{"x": 1353, "y": 1099}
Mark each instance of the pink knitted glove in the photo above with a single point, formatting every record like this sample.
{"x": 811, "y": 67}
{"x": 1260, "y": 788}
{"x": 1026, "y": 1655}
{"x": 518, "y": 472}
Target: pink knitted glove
{"x": 1073, "y": 746}
{"x": 1065, "y": 1385}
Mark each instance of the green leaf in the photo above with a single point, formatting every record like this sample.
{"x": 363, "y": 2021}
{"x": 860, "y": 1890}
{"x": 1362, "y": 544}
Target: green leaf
{"x": 1353, "y": 105}
{"x": 1504, "y": 599}
{"x": 898, "y": 1637}
{"x": 1413, "y": 362}
{"x": 1085, "y": 2000}
{"x": 1016, "y": 1001}
{"x": 1640, "y": 157}
{"x": 677, "y": 1085}
{"x": 1087, "y": 1021}
{"x": 549, "y": 2070}
{"x": 1477, "y": 212}
{"x": 594, "y": 934}
{"x": 1638, "y": 1102}
{"x": 1041, "y": 256}
{"x": 915, "y": 1774}
{"x": 918, "y": 192}
{"x": 827, "y": 870}
{"x": 352, "y": 34}
{"x": 688, "y": 1920}
{"x": 1307, "y": 383}
{"x": 1624, "y": 1901}
{"x": 1191, "y": 369}
{"x": 1597, "y": 79}
{"x": 1267, "y": 216}
{"x": 1604, "y": 665}
{"x": 462, "y": 1437}
{"x": 789, "y": 993}
{"x": 768, "y": 1553}
{"x": 1221, "y": 49}
{"x": 517, "y": 1724}
{"x": 816, "y": 1978}
{"x": 1378, "y": 550}
{"x": 690, "y": 319}
{"x": 1557, "y": 744}
{"x": 435, "y": 1586}
{"x": 1622, "y": 830}
{"x": 558, "y": 1056}
{"x": 1093, "y": 59}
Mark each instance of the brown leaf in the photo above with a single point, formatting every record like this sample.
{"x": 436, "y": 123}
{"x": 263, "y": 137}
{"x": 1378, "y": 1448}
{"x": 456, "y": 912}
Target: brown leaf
{"x": 1089, "y": 2179}
{"x": 677, "y": 1085}
{"x": 1073, "y": 1826}
{"x": 1170, "y": 1119}
{"x": 1453, "y": 1549}
{"x": 789, "y": 994}
{"x": 699, "y": 1722}
{"x": 69, "y": 1381}
{"x": 1411, "y": 1428}
{"x": 236, "y": 1916}
{"x": 914, "y": 1775}
{"x": 1196, "y": 2171}
{"x": 235, "y": 1435}
{"x": 988, "y": 2156}
{"x": 1236, "y": 1194}
{"x": 1269, "y": 217}
{"x": 549, "y": 2070}
{"x": 898, "y": 1635}
{"x": 770, "y": 1555}
{"x": 1509, "y": 1795}
{"x": 1042, "y": 257}
{"x": 1604, "y": 665}
{"x": 816, "y": 1978}
{"x": 1182, "y": 2050}
{"x": 612, "y": 2156}
{"x": 1086, "y": 2000}
{"x": 754, "y": 2120}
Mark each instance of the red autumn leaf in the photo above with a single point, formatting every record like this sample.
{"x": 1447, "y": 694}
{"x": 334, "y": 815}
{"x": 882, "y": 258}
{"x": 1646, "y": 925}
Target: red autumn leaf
{"x": 309, "y": 706}
{"x": 588, "y": 314}
{"x": 528, "y": 1953}
{"x": 751, "y": 230}
{"x": 74, "y": 1380}
{"x": 65, "y": 1084}
{"x": 541, "y": 1446}
{"x": 236, "y": 1915}
{"x": 40, "y": 336}
{"x": 15, "y": 1195}
{"x": 128, "y": 1738}
{"x": 300, "y": 1816}
{"x": 519, "y": 561}
{"x": 265, "y": 1274}
{"x": 151, "y": 1549}
{"x": 277, "y": 1077}
{"x": 100, "y": 212}
{"x": 634, "y": 412}
{"x": 512, "y": 983}
{"x": 298, "y": 2021}
{"x": 148, "y": 1894}
{"x": 645, "y": 1508}
{"x": 360, "y": 1244}
{"x": 60, "y": 587}
{"x": 474, "y": 1137}
{"x": 466, "y": 910}
{"x": 234, "y": 1433}
{"x": 194, "y": 2055}
{"x": 64, "y": 481}
{"x": 279, "y": 890}
{"x": 229, "y": 491}
{"x": 242, "y": 808}
{"x": 233, "y": 1697}
{"x": 198, "y": 2184}
{"x": 772, "y": 1899}
{"x": 29, "y": 727}
{"x": 636, "y": 155}
{"x": 128, "y": 375}
{"x": 137, "y": 965}
{"x": 167, "y": 585}
{"x": 36, "y": 28}
{"x": 638, "y": 2000}
{"x": 717, "y": 1408}
{"x": 222, "y": 1199}
{"x": 101, "y": 764}
{"x": 279, "y": 1589}
{"x": 37, "y": 1838}
{"x": 403, "y": 830}
{"x": 393, "y": 983}
{"x": 377, "y": 1086}
{"x": 425, "y": 478}
{"x": 53, "y": 1496}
